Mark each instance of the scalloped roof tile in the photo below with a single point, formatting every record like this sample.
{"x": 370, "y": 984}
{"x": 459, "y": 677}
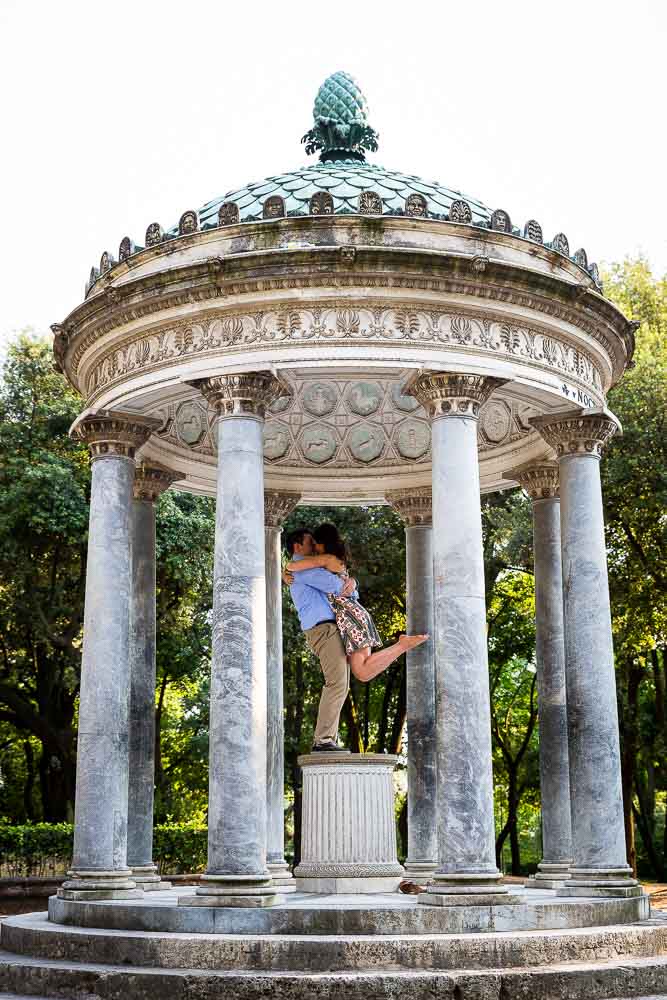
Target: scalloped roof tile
{"x": 344, "y": 180}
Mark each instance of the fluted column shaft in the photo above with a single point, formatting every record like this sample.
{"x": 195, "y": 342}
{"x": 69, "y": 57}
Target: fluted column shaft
{"x": 466, "y": 833}
{"x": 276, "y": 508}
{"x": 237, "y": 828}
{"x": 149, "y": 483}
{"x": 99, "y": 863}
{"x": 414, "y": 507}
{"x": 598, "y": 832}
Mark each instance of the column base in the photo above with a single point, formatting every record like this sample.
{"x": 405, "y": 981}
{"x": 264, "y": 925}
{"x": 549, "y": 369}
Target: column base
{"x": 233, "y": 890}
{"x": 420, "y": 872}
{"x": 92, "y": 885}
{"x": 147, "y": 878}
{"x": 601, "y": 882}
{"x": 281, "y": 876}
{"x": 549, "y": 875}
{"x": 467, "y": 889}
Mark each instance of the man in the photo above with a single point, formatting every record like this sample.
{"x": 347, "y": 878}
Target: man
{"x": 309, "y": 591}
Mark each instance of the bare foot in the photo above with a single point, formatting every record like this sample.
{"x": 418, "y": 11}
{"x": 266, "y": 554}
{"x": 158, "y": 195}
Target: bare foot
{"x": 410, "y": 641}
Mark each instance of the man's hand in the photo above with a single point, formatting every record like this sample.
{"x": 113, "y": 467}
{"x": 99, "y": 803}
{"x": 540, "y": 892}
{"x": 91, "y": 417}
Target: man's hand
{"x": 349, "y": 586}
{"x": 288, "y": 578}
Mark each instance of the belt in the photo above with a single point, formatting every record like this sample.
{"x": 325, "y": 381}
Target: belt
{"x": 325, "y": 621}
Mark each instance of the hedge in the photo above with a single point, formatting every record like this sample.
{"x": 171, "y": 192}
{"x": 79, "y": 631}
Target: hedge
{"x": 46, "y": 849}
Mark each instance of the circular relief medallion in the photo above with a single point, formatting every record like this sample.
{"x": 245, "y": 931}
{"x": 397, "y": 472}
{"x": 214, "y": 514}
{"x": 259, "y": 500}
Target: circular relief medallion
{"x": 413, "y": 438}
{"x": 495, "y": 421}
{"x": 319, "y": 398}
{"x": 318, "y": 443}
{"x": 406, "y": 403}
{"x": 276, "y": 440}
{"x": 190, "y": 423}
{"x": 280, "y": 404}
{"x": 364, "y": 398}
{"x": 366, "y": 442}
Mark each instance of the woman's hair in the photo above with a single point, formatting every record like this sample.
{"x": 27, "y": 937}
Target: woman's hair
{"x": 328, "y": 536}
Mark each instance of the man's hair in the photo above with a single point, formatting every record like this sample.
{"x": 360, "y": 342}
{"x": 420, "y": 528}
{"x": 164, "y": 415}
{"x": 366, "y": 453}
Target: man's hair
{"x": 296, "y": 538}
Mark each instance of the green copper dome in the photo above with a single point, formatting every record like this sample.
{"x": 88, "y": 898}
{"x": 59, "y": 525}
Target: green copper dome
{"x": 345, "y": 181}
{"x": 342, "y": 183}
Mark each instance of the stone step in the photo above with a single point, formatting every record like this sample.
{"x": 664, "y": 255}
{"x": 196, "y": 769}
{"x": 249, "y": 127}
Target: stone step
{"x": 45, "y": 978}
{"x": 34, "y": 935}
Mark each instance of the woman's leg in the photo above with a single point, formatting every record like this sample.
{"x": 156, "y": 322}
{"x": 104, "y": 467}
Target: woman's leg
{"x": 366, "y": 665}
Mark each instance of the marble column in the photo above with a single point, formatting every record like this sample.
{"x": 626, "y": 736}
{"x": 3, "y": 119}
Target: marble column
{"x": 277, "y": 506}
{"x": 99, "y": 863}
{"x": 598, "y": 835}
{"x": 236, "y": 874}
{"x": 414, "y": 507}
{"x": 540, "y": 481}
{"x": 466, "y": 832}
{"x": 149, "y": 483}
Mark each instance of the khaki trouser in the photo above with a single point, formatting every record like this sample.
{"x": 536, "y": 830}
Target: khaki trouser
{"x": 325, "y": 641}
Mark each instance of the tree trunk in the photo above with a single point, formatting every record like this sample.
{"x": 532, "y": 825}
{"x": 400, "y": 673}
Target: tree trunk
{"x": 630, "y": 746}
{"x": 400, "y": 715}
{"x": 29, "y": 781}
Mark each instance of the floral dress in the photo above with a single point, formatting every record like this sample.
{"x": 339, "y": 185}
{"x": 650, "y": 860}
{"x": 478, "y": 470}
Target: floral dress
{"x": 354, "y": 623}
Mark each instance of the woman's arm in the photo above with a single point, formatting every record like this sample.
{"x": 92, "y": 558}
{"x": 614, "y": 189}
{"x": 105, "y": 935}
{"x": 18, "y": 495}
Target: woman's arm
{"x": 325, "y": 561}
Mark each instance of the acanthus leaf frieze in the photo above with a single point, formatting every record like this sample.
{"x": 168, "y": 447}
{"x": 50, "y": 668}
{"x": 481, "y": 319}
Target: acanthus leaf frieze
{"x": 226, "y": 333}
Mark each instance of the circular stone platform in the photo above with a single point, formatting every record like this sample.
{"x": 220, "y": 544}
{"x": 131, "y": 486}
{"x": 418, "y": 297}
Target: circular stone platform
{"x": 325, "y": 948}
{"x": 314, "y": 914}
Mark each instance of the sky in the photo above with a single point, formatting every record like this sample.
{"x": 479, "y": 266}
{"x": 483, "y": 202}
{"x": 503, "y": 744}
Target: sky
{"x": 115, "y": 115}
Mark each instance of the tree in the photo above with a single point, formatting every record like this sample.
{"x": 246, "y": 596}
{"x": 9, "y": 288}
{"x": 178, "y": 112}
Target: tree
{"x": 635, "y": 497}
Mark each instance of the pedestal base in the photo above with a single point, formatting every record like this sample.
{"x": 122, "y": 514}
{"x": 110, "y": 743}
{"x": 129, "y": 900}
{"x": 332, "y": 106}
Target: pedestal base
{"x": 333, "y": 884}
{"x": 348, "y": 840}
{"x": 147, "y": 878}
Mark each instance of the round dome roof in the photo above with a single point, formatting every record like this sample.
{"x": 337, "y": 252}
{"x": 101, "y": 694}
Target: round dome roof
{"x": 344, "y": 180}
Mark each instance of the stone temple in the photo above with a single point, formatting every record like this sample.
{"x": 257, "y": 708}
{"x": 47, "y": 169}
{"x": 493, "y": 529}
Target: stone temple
{"x": 344, "y": 333}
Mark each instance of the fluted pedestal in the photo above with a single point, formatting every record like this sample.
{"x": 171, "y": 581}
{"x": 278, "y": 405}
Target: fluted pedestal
{"x": 348, "y": 840}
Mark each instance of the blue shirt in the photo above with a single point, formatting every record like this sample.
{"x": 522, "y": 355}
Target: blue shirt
{"x": 309, "y": 593}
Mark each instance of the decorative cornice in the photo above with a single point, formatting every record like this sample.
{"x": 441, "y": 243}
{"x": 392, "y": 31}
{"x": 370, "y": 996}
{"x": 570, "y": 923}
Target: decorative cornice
{"x": 150, "y": 481}
{"x": 113, "y": 433}
{"x": 193, "y": 283}
{"x": 343, "y": 322}
{"x": 412, "y": 506}
{"x": 247, "y": 394}
{"x": 278, "y": 506}
{"x": 539, "y": 479}
{"x": 577, "y": 432}
{"x": 445, "y": 394}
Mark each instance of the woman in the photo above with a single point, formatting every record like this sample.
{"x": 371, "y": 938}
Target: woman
{"x": 354, "y": 622}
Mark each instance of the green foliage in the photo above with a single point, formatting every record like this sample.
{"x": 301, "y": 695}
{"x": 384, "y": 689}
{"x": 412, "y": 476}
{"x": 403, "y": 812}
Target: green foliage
{"x": 35, "y": 849}
{"x": 46, "y": 848}
{"x": 180, "y": 848}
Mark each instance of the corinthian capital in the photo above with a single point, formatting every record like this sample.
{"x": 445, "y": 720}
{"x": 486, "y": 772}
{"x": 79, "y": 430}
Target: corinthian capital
{"x": 445, "y": 394}
{"x": 245, "y": 394}
{"x": 113, "y": 432}
{"x": 538, "y": 479}
{"x": 150, "y": 481}
{"x": 278, "y": 506}
{"x": 412, "y": 506}
{"x": 577, "y": 432}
